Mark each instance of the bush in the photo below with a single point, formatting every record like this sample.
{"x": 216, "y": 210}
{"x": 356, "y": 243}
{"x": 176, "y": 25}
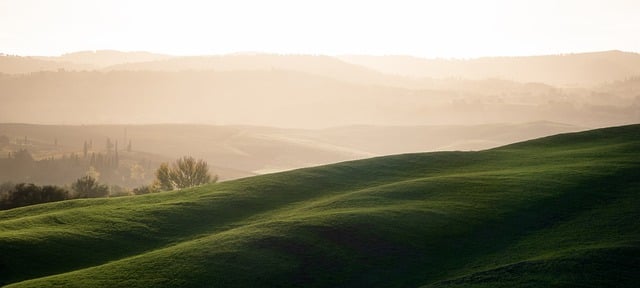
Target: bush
{"x": 88, "y": 187}
{"x": 145, "y": 189}
{"x": 183, "y": 173}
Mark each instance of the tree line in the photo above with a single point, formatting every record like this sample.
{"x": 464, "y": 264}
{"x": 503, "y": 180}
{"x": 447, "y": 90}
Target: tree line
{"x": 21, "y": 166}
{"x": 183, "y": 173}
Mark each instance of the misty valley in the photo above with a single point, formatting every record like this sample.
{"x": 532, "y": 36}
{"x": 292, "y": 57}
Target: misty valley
{"x": 141, "y": 169}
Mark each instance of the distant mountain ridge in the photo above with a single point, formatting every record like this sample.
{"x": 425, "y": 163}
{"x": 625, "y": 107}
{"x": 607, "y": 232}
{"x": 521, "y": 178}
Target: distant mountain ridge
{"x": 25, "y": 65}
{"x": 577, "y": 69}
{"x": 565, "y": 70}
{"x": 285, "y": 98}
{"x": 315, "y": 91}
{"x": 104, "y": 58}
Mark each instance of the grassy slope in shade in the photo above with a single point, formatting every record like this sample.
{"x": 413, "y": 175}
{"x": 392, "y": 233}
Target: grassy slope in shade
{"x": 559, "y": 211}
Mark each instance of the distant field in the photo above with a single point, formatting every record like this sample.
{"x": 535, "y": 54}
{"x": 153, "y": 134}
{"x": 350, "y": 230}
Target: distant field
{"x": 241, "y": 151}
{"x": 560, "y": 211}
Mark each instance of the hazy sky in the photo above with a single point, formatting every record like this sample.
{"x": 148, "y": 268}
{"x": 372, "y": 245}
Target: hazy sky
{"x": 459, "y": 29}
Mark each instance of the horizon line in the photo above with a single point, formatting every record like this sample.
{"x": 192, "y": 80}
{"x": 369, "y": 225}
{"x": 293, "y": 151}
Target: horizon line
{"x": 267, "y": 53}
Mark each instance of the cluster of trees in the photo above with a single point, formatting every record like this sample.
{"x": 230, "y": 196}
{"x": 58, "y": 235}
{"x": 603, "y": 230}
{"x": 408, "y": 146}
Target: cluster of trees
{"x": 183, "y": 173}
{"x": 24, "y": 194}
{"x": 20, "y": 166}
{"x": 88, "y": 187}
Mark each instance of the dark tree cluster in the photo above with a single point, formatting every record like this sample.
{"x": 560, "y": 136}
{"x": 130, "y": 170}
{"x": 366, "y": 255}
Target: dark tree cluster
{"x": 88, "y": 187}
{"x": 24, "y": 194}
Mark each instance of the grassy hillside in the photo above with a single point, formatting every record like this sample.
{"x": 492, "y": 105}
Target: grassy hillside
{"x": 557, "y": 211}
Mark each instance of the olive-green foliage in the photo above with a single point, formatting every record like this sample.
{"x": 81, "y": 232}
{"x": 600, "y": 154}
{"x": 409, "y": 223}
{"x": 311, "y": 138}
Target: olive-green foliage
{"x": 88, "y": 187}
{"x": 163, "y": 176}
{"x": 185, "y": 172}
{"x": 560, "y": 211}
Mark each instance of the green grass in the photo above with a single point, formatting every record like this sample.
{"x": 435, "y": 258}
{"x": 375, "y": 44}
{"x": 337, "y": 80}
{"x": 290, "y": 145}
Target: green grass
{"x": 559, "y": 211}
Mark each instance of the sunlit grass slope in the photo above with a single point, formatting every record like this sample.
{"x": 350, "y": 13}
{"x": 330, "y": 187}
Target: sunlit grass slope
{"x": 557, "y": 211}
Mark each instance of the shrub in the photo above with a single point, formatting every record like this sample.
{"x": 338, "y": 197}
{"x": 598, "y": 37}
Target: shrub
{"x": 184, "y": 172}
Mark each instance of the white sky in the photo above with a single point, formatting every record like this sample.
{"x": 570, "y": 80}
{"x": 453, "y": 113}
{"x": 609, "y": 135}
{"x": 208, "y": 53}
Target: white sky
{"x": 445, "y": 28}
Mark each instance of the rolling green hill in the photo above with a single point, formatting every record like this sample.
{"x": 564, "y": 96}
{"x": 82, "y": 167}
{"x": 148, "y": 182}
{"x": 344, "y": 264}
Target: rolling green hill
{"x": 558, "y": 211}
